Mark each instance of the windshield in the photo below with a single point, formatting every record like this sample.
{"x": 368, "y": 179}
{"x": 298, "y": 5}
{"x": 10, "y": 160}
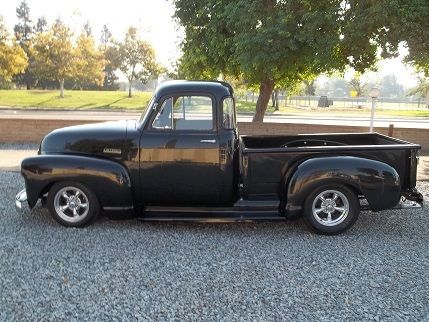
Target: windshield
{"x": 146, "y": 112}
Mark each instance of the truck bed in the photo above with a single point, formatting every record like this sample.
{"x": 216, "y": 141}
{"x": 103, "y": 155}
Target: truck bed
{"x": 266, "y": 158}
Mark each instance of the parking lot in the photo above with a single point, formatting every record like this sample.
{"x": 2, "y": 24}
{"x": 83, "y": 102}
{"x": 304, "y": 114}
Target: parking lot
{"x": 132, "y": 270}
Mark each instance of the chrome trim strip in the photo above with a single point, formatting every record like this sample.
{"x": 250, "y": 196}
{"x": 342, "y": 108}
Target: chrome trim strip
{"x": 118, "y": 208}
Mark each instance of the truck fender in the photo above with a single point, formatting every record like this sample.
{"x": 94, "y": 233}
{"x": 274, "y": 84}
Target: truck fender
{"x": 109, "y": 180}
{"x": 377, "y": 181}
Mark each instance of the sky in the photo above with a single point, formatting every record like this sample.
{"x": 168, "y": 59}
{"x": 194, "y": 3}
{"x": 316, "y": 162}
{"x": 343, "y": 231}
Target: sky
{"x": 154, "y": 20}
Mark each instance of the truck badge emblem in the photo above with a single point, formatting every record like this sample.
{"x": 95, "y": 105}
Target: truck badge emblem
{"x": 112, "y": 151}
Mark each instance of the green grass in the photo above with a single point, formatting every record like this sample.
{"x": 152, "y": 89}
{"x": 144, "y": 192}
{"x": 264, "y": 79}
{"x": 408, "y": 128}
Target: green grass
{"x": 335, "y": 111}
{"x": 74, "y": 99}
{"x": 116, "y": 100}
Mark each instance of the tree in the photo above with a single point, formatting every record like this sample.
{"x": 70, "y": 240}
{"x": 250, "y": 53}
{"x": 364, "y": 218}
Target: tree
{"x": 137, "y": 59}
{"x": 41, "y": 25}
{"x": 309, "y": 87}
{"x": 270, "y": 42}
{"x": 358, "y": 85}
{"x": 54, "y": 54}
{"x": 422, "y": 89}
{"x": 13, "y": 59}
{"x": 24, "y": 33}
{"x": 111, "y": 58}
{"x": 390, "y": 87}
{"x": 89, "y": 63}
{"x": 87, "y": 28}
{"x": 405, "y": 21}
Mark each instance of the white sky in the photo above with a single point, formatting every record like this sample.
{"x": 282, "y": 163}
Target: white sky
{"x": 152, "y": 18}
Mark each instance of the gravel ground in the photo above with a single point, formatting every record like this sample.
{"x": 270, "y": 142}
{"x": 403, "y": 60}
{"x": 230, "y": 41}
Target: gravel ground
{"x": 131, "y": 270}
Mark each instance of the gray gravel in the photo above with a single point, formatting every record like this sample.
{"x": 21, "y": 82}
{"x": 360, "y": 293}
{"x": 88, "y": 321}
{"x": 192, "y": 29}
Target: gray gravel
{"x": 131, "y": 270}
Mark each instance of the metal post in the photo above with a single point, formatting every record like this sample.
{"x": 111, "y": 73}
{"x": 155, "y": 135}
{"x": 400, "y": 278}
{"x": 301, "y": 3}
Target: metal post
{"x": 371, "y": 124}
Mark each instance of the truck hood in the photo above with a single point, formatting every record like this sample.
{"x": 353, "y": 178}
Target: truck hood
{"x": 107, "y": 139}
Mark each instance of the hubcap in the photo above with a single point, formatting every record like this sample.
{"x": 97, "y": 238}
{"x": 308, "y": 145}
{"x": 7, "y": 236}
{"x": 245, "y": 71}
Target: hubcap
{"x": 71, "y": 204}
{"x": 330, "y": 207}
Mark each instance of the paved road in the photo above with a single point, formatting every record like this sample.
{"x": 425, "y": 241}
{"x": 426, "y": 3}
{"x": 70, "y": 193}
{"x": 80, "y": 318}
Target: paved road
{"x": 278, "y": 118}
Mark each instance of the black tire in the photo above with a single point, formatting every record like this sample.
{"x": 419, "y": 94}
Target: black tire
{"x": 67, "y": 217}
{"x": 336, "y": 220}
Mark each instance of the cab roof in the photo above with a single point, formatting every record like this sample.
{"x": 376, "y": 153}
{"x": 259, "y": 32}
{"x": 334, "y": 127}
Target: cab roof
{"x": 216, "y": 88}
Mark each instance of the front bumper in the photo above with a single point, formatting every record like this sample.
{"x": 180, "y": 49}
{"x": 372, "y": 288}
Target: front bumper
{"x": 20, "y": 199}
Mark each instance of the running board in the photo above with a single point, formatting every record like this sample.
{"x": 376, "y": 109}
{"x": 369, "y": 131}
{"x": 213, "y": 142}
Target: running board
{"x": 209, "y": 214}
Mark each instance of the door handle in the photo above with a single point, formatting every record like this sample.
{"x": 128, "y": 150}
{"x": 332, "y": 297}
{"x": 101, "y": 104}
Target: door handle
{"x": 207, "y": 141}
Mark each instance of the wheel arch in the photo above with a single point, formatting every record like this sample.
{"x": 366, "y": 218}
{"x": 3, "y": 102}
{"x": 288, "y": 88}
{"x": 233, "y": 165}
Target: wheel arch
{"x": 109, "y": 180}
{"x": 377, "y": 181}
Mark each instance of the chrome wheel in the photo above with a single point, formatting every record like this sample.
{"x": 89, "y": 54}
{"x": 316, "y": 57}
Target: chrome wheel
{"x": 71, "y": 204}
{"x": 330, "y": 207}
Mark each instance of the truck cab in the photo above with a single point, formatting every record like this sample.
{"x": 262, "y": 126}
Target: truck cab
{"x": 188, "y": 146}
{"x": 184, "y": 160}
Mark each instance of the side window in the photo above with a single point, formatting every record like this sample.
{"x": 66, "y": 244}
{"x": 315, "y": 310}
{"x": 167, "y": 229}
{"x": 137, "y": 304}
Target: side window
{"x": 163, "y": 118}
{"x": 228, "y": 115}
{"x": 193, "y": 113}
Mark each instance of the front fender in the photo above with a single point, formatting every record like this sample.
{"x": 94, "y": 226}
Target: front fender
{"x": 109, "y": 180}
{"x": 377, "y": 181}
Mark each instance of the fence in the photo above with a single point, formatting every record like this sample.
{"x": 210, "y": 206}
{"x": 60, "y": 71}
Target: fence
{"x": 406, "y": 103}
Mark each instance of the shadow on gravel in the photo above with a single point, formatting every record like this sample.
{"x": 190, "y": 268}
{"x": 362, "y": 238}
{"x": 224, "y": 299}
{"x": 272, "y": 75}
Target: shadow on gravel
{"x": 386, "y": 223}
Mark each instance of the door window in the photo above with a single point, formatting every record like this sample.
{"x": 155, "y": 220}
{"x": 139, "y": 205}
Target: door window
{"x": 193, "y": 113}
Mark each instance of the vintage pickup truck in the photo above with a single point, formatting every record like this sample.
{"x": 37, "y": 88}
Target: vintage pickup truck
{"x": 184, "y": 160}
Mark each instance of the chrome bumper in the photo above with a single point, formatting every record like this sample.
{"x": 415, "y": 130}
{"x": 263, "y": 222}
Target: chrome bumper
{"x": 408, "y": 204}
{"x": 20, "y": 198}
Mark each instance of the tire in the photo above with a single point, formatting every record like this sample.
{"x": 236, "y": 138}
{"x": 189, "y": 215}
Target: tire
{"x": 336, "y": 214}
{"x": 72, "y": 204}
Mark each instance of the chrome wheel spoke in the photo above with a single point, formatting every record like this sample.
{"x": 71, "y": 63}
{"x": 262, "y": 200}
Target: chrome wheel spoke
{"x": 333, "y": 204}
{"x": 318, "y": 210}
{"x": 71, "y": 204}
{"x": 64, "y": 207}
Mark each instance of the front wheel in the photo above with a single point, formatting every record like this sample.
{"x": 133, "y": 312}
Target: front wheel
{"x": 72, "y": 204}
{"x": 331, "y": 209}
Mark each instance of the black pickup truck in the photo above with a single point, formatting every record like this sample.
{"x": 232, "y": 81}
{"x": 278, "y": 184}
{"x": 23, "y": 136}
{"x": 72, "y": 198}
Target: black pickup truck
{"x": 184, "y": 160}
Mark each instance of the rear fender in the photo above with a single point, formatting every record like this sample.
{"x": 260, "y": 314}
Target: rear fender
{"x": 377, "y": 181}
{"x": 109, "y": 180}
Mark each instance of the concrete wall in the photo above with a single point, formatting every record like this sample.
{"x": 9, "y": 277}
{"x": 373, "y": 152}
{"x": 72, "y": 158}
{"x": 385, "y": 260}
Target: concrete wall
{"x": 14, "y": 130}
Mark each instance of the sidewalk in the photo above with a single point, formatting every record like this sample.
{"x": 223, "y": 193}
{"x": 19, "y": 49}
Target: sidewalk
{"x": 10, "y": 160}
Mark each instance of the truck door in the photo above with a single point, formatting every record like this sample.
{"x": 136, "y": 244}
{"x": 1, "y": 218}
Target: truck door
{"x": 179, "y": 153}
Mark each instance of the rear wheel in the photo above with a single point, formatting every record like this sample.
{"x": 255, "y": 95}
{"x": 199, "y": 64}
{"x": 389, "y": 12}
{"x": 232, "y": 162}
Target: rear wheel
{"x": 331, "y": 209}
{"x": 72, "y": 204}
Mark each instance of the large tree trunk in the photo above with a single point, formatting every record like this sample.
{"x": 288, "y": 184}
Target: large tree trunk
{"x": 265, "y": 89}
{"x": 62, "y": 88}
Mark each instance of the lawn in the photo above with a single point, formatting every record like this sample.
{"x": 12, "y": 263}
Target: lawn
{"x": 117, "y": 100}
{"x": 243, "y": 106}
{"x": 74, "y": 99}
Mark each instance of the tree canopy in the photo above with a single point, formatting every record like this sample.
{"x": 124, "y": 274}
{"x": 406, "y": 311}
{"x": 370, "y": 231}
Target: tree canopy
{"x": 89, "y": 61}
{"x": 13, "y": 59}
{"x": 54, "y": 54}
{"x": 274, "y": 43}
{"x": 137, "y": 59}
